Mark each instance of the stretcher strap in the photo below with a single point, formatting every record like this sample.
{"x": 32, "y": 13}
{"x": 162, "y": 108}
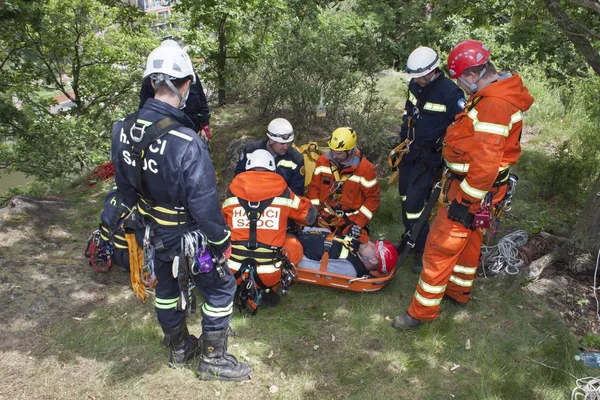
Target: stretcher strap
{"x": 326, "y": 247}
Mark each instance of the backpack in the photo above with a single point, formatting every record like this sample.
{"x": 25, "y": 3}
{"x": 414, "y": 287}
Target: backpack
{"x": 310, "y": 152}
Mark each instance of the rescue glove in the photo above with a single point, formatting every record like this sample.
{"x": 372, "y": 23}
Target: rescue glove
{"x": 460, "y": 213}
{"x": 205, "y": 134}
{"x": 355, "y": 231}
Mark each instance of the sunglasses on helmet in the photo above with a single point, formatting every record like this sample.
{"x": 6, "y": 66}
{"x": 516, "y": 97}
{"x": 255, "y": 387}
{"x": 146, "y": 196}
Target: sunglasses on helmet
{"x": 284, "y": 136}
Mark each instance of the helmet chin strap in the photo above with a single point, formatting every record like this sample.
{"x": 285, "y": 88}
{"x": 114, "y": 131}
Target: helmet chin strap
{"x": 182, "y": 99}
{"x": 473, "y": 86}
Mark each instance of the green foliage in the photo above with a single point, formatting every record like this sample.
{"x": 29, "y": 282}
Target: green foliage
{"x": 591, "y": 341}
{"x": 225, "y": 30}
{"x": 90, "y": 53}
{"x": 336, "y": 51}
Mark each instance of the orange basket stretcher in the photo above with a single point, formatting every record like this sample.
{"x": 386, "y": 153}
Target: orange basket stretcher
{"x": 337, "y": 281}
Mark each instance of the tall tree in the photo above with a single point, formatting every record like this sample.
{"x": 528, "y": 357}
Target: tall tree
{"x": 229, "y": 29}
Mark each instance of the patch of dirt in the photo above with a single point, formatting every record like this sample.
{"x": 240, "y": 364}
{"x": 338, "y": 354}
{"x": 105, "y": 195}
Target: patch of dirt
{"x": 572, "y": 296}
{"x": 44, "y": 275}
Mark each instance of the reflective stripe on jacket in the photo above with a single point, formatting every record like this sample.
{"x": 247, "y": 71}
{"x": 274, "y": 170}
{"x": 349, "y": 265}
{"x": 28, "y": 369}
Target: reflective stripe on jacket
{"x": 255, "y": 186}
{"x": 290, "y": 165}
{"x": 485, "y": 138}
{"x": 360, "y": 189}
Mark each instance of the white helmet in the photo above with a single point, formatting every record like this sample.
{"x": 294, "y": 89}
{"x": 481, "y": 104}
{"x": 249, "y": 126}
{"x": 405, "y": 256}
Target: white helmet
{"x": 421, "y": 61}
{"x": 280, "y": 130}
{"x": 260, "y": 158}
{"x": 170, "y": 60}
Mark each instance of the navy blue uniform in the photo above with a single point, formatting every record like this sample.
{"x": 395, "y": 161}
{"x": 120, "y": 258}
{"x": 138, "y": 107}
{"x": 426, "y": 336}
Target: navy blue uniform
{"x": 179, "y": 176}
{"x": 431, "y": 110}
{"x": 108, "y": 218}
{"x": 290, "y": 165}
{"x": 196, "y": 106}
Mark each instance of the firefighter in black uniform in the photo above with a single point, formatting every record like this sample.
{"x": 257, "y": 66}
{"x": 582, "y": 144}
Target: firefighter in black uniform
{"x": 164, "y": 167}
{"x": 111, "y": 229}
{"x": 432, "y": 102}
{"x": 196, "y": 106}
{"x": 289, "y": 162}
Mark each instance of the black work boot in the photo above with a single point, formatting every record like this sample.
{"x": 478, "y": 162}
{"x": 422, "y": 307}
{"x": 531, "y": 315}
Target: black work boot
{"x": 269, "y": 298}
{"x": 183, "y": 346}
{"x": 216, "y": 363}
{"x": 456, "y": 303}
{"x": 418, "y": 264}
{"x": 405, "y": 321}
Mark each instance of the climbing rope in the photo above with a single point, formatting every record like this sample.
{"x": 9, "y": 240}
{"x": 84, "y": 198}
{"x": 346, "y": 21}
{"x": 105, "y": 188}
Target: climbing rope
{"x": 535, "y": 247}
{"x": 503, "y": 256}
{"x": 102, "y": 172}
{"x": 514, "y": 251}
{"x": 586, "y": 388}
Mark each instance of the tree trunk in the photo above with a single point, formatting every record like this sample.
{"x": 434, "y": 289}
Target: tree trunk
{"x": 221, "y": 62}
{"x": 585, "y": 241}
{"x": 586, "y": 236}
{"x": 575, "y": 34}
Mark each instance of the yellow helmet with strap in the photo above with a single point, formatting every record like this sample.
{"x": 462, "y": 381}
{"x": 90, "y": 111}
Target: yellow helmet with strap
{"x": 343, "y": 139}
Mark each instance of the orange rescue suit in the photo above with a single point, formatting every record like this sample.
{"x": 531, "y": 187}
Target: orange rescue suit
{"x": 351, "y": 189}
{"x": 255, "y": 187}
{"x": 482, "y": 143}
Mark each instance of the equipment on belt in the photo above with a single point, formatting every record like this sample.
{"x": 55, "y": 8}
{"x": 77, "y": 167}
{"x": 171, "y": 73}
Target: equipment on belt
{"x": 408, "y": 240}
{"x": 99, "y": 251}
{"x": 252, "y": 289}
{"x": 136, "y": 262}
{"x": 395, "y": 157}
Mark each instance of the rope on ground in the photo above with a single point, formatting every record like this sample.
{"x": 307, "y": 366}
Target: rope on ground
{"x": 503, "y": 256}
{"x": 586, "y": 388}
{"x": 535, "y": 247}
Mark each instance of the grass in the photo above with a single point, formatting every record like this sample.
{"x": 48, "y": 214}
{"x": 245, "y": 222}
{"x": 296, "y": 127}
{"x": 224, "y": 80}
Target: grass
{"x": 319, "y": 344}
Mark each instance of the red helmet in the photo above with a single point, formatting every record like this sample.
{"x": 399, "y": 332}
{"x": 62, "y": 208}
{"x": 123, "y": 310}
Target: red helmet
{"x": 387, "y": 255}
{"x": 469, "y": 53}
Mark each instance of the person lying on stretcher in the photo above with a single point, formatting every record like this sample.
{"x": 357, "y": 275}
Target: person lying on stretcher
{"x": 346, "y": 256}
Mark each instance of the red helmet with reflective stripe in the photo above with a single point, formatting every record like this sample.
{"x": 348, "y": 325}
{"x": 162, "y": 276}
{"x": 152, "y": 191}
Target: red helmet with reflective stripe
{"x": 469, "y": 53}
{"x": 387, "y": 255}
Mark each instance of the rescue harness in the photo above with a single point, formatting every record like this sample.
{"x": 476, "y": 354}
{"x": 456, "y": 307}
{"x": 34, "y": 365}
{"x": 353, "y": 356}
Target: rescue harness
{"x": 194, "y": 256}
{"x": 251, "y": 254}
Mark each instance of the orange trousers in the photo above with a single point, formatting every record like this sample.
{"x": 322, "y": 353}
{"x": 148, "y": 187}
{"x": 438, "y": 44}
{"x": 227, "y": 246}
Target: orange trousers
{"x": 450, "y": 261}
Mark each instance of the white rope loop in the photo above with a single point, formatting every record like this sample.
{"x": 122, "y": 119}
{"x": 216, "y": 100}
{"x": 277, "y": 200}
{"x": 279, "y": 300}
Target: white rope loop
{"x": 504, "y": 256}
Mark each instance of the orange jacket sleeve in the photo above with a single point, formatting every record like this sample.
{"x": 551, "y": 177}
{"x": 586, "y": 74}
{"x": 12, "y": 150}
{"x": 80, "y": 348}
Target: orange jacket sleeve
{"x": 491, "y": 119}
{"x": 316, "y": 183}
{"x": 300, "y": 209}
{"x": 370, "y": 193}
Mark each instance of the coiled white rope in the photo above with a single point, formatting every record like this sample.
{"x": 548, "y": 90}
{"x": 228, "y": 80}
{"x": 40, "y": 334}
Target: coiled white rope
{"x": 587, "y": 389}
{"x": 504, "y": 256}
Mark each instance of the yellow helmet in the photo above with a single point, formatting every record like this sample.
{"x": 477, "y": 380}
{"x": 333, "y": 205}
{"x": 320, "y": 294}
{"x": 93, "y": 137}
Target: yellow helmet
{"x": 343, "y": 139}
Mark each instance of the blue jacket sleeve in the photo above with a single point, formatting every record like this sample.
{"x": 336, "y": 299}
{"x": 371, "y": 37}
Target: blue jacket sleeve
{"x": 297, "y": 179}
{"x": 200, "y": 196}
{"x": 455, "y": 103}
{"x": 241, "y": 165}
{"x": 128, "y": 192}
